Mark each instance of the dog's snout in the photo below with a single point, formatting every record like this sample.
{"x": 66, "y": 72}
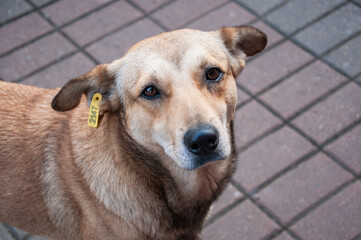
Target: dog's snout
{"x": 202, "y": 140}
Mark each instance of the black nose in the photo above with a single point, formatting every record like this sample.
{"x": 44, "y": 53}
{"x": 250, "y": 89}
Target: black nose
{"x": 202, "y": 140}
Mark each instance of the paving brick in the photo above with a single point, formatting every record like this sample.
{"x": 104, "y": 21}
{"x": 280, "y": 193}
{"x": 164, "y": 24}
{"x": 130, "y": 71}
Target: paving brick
{"x": 251, "y": 121}
{"x": 33, "y": 56}
{"x": 22, "y": 31}
{"x": 297, "y": 14}
{"x": 269, "y": 156}
{"x": 40, "y": 3}
{"x": 102, "y": 22}
{"x": 338, "y": 218}
{"x": 298, "y": 189}
{"x": 230, "y": 14}
{"x": 59, "y": 74}
{"x": 12, "y": 8}
{"x": 302, "y": 88}
{"x": 333, "y": 114}
{"x": 179, "y": 13}
{"x": 67, "y": 10}
{"x": 116, "y": 45}
{"x": 348, "y": 149}
{"x": 150, "y": 5}
{"x": 19, "y": 234}
{"x": 4, "y": 234}
{"x": 272, "y": 36}
{"x": 284, "y": 236}
{"x": 247, "y": 222}
{"x": 38, "y": 238}
{"x": 347, "y": 57}
{"x": 241, "y": 97}
{"x": 272, "y": 66}
{"x": 229, "y": 196}
{"x": 331, "y": 30}
{"x": 261, "y": 6}
{"x": 358, "y": 80}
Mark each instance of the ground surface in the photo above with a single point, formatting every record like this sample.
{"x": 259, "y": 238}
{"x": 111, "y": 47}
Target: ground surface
{"x": 298, "y": 120}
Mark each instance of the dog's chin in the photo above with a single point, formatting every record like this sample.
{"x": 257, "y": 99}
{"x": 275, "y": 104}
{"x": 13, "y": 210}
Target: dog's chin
{"x": 189, "y": 161}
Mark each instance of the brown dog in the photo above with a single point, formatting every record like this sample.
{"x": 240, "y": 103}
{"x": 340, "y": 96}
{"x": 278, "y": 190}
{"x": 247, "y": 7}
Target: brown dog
{"x": 161, "y": 155}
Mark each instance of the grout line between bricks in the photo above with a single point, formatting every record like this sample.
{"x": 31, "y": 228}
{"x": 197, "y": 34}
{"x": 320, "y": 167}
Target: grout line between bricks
{"x": 26, "y": 13}
{"x": 357, "y": 237}
{"x": 356, "y": 3}
{"x": 266, "y": 211}
{"x": 38, "y": 9}
{"x": 223, "y": 4}
{"x": 223, "y": 212}
{"x": 149, "y": 15}
{"x": 320, "y": 202}
{"x": 49, "y": 64}
{"x": 77, "y": 46}
{"x": 285, "y": 35}
{"x": 300, "y": 68}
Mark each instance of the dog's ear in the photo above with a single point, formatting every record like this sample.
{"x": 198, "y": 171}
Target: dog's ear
{"x": 243, "y": 41}
{"x": 96, "y": 80}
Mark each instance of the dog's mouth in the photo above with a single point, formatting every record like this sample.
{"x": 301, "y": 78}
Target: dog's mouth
{"x": 199, "y": 161}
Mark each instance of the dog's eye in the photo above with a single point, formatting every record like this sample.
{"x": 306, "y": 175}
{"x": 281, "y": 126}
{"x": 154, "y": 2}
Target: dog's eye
{"x": 150, "y": 92}
{"x": 213, "y": 74}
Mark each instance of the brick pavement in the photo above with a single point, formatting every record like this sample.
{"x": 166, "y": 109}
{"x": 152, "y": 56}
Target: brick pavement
{"x": 298, "y": 119}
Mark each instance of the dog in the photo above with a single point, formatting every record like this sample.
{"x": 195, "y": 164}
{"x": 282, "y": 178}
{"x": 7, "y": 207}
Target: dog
{"x": 162, "y": 153}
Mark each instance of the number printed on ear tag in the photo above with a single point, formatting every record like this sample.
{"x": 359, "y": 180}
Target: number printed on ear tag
{"x": 94, "y": 110}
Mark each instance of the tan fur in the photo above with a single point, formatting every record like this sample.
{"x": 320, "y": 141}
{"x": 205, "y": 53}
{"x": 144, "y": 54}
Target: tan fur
{"x": 129, "y": 178}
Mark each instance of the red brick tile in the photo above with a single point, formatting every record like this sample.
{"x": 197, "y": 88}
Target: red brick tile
{"x": 230, "y": 14}
{"x": 333, "y": 114}
{"x": 272, "y": 66}
{"x": 60, "y": 73}
{"x": 22, "y": 31}
{"x": 251, "y": 121}
{"x": 302, "y": 89}
{"x": 150, "y": 5}
{"x": 179, "y": 13}
{"x": 116, "y": 45}
{"x": 12, "y": 8}
{"x": 241, "y": 96}
{"x": 338, "y": 218}
{"x": 40, "y": 2}
{"x": 243, "y": 222}
{"x": 269, "y": 156}
{"x": 348, "y": 149}
{"x": 272, "y": 36}
{"x": 261, "y": 6}
{"x": 303, "y": 186}
{"x": 34, "y": 56}
{"x": 67, "y": 10}
{"x": 102, "y": 22}
{"x": 4, "y": 233}
{"x": 229, "y": 196}
{"x": 284, "y": 236}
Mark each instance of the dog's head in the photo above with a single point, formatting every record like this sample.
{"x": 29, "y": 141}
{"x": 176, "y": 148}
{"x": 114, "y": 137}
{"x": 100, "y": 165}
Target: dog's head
{"x": 177, "y": 91}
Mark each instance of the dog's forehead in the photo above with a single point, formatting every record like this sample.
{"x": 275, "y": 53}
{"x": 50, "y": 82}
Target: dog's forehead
{"x": 174, "y": 45}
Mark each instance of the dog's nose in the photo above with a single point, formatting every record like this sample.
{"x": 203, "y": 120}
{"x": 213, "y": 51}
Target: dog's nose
{"x": 202, "y": 140}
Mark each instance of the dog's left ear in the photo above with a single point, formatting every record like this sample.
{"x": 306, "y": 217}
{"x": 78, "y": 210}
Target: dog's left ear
{"x": 96, "y": 80}
{"x": 243, "y": 41}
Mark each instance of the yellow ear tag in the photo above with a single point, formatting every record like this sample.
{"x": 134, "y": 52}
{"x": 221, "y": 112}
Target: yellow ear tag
{"x": 94, "y": 110}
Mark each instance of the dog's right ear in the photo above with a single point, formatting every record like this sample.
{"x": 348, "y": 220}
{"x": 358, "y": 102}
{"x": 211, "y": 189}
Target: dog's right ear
{"x": 242, "y": 41}
{"x": 97, "y": 80}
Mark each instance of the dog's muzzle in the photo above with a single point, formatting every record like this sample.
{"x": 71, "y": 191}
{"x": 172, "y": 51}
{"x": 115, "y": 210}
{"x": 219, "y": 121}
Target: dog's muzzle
{"x": 202, "y": 140}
